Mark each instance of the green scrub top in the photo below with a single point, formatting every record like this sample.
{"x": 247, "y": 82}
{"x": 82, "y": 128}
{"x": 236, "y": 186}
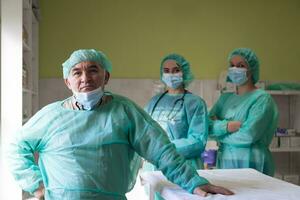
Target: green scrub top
{"x": 184, "y": 118}
{"x": 93, "y": 154}
{"x": 249, "y": 146}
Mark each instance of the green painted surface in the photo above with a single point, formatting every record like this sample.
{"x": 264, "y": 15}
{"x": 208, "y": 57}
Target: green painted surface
{"x": 136, "y": 34}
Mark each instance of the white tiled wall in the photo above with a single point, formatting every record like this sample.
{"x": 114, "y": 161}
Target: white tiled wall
{"x": 141, "y": 90}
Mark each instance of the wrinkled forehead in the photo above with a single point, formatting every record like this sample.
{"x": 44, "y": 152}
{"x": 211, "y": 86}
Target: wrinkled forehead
{"x": 86, "y": 65}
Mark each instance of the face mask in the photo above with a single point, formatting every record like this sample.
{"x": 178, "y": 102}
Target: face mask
{"x": 89, "y": 99}
{"x": 238, "y": 76}
{"x": 173, "y": 80}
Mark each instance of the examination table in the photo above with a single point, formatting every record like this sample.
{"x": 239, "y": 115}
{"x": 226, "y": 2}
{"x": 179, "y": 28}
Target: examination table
{"x": 247, "y": 184}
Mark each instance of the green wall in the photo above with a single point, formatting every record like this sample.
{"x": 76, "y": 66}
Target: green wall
{"x": 136, "y": 34}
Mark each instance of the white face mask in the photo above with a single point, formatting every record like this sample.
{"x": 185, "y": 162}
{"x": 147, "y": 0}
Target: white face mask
{"x": 237, "y": 75}
{"x": 89, "y": 99}
{"x": 172, "y": 80}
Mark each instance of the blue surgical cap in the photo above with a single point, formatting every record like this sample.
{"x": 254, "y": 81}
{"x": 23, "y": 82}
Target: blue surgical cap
{"x": 250, "y": 58}
{"x": 184, "y": 65}
{"x": 83, "y": 55}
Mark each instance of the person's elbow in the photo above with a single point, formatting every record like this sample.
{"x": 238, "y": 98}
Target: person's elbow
{"x": 191, "y": 151}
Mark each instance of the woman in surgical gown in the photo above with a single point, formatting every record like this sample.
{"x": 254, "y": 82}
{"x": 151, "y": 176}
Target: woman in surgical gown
{"x": 244, "y": 122}
{"x": 180, "y": 113}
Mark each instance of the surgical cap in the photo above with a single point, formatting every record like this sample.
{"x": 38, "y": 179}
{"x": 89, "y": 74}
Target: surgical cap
{"x": 83, "y": 55}
{"x": 250, "y": 58}
{"x": 184, "y": 65}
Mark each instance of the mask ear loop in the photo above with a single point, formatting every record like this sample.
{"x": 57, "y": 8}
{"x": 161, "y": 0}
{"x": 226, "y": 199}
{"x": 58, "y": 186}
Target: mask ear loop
{"x": 250, "y": 77}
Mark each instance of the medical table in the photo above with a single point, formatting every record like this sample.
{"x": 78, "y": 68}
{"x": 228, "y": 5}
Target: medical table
{"x": 247, "y": 184}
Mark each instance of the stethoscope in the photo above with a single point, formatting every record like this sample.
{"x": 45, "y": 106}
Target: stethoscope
{"x": 181, "y": 100}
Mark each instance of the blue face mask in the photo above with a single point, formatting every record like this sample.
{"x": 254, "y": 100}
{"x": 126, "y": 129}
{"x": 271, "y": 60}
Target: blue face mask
{"x": 89, "y": 99}
{"x": 172, "y": 80}
{"x": 237, "y": 75}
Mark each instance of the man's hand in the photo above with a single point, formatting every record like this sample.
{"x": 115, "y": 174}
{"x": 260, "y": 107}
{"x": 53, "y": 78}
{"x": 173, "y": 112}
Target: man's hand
{"x": 213, "y": 189}
{"x": 39, "y": 193}
{"x": 233, "y": 126}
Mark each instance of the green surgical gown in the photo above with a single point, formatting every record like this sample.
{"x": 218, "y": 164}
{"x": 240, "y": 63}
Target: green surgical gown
{"x": 93, "y": 154}
{"x": 185, "y": 122}
{"x": 249, "y": 146}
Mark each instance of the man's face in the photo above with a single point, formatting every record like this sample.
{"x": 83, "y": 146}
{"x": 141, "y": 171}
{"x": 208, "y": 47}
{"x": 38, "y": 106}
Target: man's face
{"x": 86, "y": 76}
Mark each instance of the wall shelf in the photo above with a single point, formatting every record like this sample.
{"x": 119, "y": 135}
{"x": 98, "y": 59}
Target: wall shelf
{"x": 26, "y": 47}
{"x": 30, "y": 61}
{"x": 29, "y": 91}
{"x": 286, "y": 149}
{"x": 283, "y": 92}
{"x": 285, "y": 154}
{"x": 30, "y": 66}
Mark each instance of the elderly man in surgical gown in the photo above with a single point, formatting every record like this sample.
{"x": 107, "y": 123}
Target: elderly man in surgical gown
{"x": 88, "y": 144}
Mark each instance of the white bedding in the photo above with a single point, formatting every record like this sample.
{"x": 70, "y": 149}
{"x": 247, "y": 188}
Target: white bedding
{"x": 247, "y": 184}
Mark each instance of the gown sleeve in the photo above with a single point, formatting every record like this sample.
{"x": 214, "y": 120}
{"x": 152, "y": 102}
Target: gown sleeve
{"x": 149, "y": 141}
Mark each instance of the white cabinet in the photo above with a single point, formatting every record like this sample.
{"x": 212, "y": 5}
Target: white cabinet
{"x": 286, "y": 147}
{"x": 30, "y": 60}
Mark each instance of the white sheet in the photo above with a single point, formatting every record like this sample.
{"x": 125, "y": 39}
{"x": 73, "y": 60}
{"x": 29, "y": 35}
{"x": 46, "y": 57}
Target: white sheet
{"x": 247, "y": 184}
